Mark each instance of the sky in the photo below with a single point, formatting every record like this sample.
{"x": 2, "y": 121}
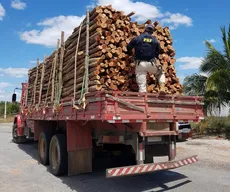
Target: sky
{"x": 29, "y": 29}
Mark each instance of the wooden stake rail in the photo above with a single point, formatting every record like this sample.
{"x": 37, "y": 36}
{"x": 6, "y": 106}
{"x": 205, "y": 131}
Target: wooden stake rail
{"x": 102, "y": 57}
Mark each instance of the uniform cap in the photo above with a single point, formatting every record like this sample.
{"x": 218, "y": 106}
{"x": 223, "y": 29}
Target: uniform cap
{"x": 149, "y": 27}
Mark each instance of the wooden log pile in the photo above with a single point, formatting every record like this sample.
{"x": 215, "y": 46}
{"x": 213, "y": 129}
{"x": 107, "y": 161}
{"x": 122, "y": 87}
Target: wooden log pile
{"x": 34, "y": 76}
{"x": 110, "y": 31}
{"x": 61, "y": 75}
{"x": 38, "y": 82}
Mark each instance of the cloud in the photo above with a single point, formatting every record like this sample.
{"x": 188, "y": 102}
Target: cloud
{"x": 52, "y": 30}
{"x": 2, "y": 12}
{"x": 33, "y": 62}
{"x": 143, "y": 11}
{"x": 15, "y": 72}
{"x": 28, "y": 24}
{"x": 190, "y": 62}
{"x": 19, "y": 5}
{"x": 6, "y": 94}
{"x": 4, "y": 85}
{"x": 48, "y": 30}
{"x": 177, "y": 19}
{"x": 181, "y": 78}
{"x": 210, "y": 41}
{"x": 6, "y": 91}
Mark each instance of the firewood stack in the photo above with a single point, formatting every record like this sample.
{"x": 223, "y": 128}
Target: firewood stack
{"x": 34, "y": 76}
{"x": 48, "y": 75}
{"x": 110, "y": 68}
{"x": 108, "y": 64}
{"x": 40, "y": 83}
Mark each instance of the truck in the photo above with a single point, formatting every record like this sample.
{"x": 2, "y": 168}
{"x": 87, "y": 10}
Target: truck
{"x": 138, "y": 129}
{"x": 136, "y": 132}
{"x": 184, "y": 131}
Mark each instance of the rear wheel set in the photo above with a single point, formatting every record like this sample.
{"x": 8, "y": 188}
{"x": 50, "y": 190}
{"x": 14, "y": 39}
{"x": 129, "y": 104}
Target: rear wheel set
{"x": 43, "y": 147}
{"x": 53, "y": 151}
{"x": 58, "y": 155}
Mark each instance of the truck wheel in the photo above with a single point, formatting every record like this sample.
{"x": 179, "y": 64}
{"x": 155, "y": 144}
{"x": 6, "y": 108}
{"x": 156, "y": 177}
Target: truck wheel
{"x": 15, "y": 137}
{"x": 14, "y": 133}
{"x": 43, "y": 147}
{"x": 58, "y": 155}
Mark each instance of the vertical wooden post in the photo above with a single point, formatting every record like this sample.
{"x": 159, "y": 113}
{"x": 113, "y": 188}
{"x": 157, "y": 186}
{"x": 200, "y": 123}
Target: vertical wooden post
{"x": 27, "y": 87}
{"x": 54, "y": 70}
{"x": 87, "y": 54}
{"x": 50, "y": 76}
{"x": 41, "y": 82}
{"x": 35, "y": 83}
{"x": 61, "y": 64}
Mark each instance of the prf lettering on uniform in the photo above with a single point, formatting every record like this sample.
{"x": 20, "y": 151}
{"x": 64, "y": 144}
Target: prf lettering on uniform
{"x": 147, "y": 40}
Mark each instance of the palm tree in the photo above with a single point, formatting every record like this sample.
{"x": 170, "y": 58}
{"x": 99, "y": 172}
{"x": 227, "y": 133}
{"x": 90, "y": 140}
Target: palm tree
{"x": 216, "y": 86}
{"x": 194, "y": 84}
{"x": 217, "y": 66}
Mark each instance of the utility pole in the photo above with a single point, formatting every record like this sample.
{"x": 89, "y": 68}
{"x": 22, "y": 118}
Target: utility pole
{"x": 5, "y": 107}
{"x": 5, "y": 110}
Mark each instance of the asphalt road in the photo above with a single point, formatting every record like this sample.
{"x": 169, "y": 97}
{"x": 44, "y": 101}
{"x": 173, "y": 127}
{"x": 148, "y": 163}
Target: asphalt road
{"x": 21, "y": 172}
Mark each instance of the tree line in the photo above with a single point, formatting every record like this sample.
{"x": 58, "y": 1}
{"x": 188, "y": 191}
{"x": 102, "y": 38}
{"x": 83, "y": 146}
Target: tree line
{"x": 12, "y": 108}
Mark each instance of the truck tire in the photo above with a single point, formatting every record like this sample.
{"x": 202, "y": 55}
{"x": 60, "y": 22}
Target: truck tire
{"x": 43, "y": 147}
{"x": 58, "y": 155}
{"x": 15, "y": 137}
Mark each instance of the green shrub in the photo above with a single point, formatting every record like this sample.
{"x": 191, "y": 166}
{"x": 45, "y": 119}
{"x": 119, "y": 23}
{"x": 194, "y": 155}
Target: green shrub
{"x": 12, "y": 108}
{"x": 203, "y": 127}
{"x": 227, "y": 128}
{"x": 214, "y": 125}
{"x": 200, "y": 127}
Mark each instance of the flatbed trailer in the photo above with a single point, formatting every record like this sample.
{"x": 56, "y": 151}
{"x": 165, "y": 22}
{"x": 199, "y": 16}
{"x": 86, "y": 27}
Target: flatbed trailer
{"x": 139, "y": 126}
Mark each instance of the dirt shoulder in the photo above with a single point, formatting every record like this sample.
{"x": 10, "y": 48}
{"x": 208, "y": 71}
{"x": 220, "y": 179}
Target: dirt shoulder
{"x": 213, "y": 152}
{"x": 7, "y": 120}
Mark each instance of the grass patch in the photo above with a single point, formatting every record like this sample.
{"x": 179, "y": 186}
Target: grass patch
{"x": 9, "y": 119}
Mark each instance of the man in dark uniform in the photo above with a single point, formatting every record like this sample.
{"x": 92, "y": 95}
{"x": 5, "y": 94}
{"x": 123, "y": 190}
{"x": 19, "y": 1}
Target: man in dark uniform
{"x": 147, "y": 50}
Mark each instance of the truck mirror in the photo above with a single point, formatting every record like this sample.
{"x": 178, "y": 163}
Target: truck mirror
{"x": 14, "y": 98}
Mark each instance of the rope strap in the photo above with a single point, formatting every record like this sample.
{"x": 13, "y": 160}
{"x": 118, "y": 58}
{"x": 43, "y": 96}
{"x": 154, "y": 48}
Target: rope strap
{"x": 84, "y": 89}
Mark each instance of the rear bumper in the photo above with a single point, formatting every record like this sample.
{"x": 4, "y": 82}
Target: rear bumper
{"x": 184, "y": 130}
{"x": 149, "y": 168}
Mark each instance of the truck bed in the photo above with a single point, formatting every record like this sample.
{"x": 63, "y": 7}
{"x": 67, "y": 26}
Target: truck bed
{"x": 125, "y": 107}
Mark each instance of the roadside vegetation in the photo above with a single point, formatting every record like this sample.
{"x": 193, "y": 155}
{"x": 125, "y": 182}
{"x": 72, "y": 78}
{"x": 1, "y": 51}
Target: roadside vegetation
{"x": 213, "y": 83}
{"x": 219, "y": 126}
{"x": 11, "y": 110}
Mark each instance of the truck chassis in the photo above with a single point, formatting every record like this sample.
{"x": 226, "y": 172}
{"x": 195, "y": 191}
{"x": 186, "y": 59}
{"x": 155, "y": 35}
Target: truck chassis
{"x": 139, "y": 127}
